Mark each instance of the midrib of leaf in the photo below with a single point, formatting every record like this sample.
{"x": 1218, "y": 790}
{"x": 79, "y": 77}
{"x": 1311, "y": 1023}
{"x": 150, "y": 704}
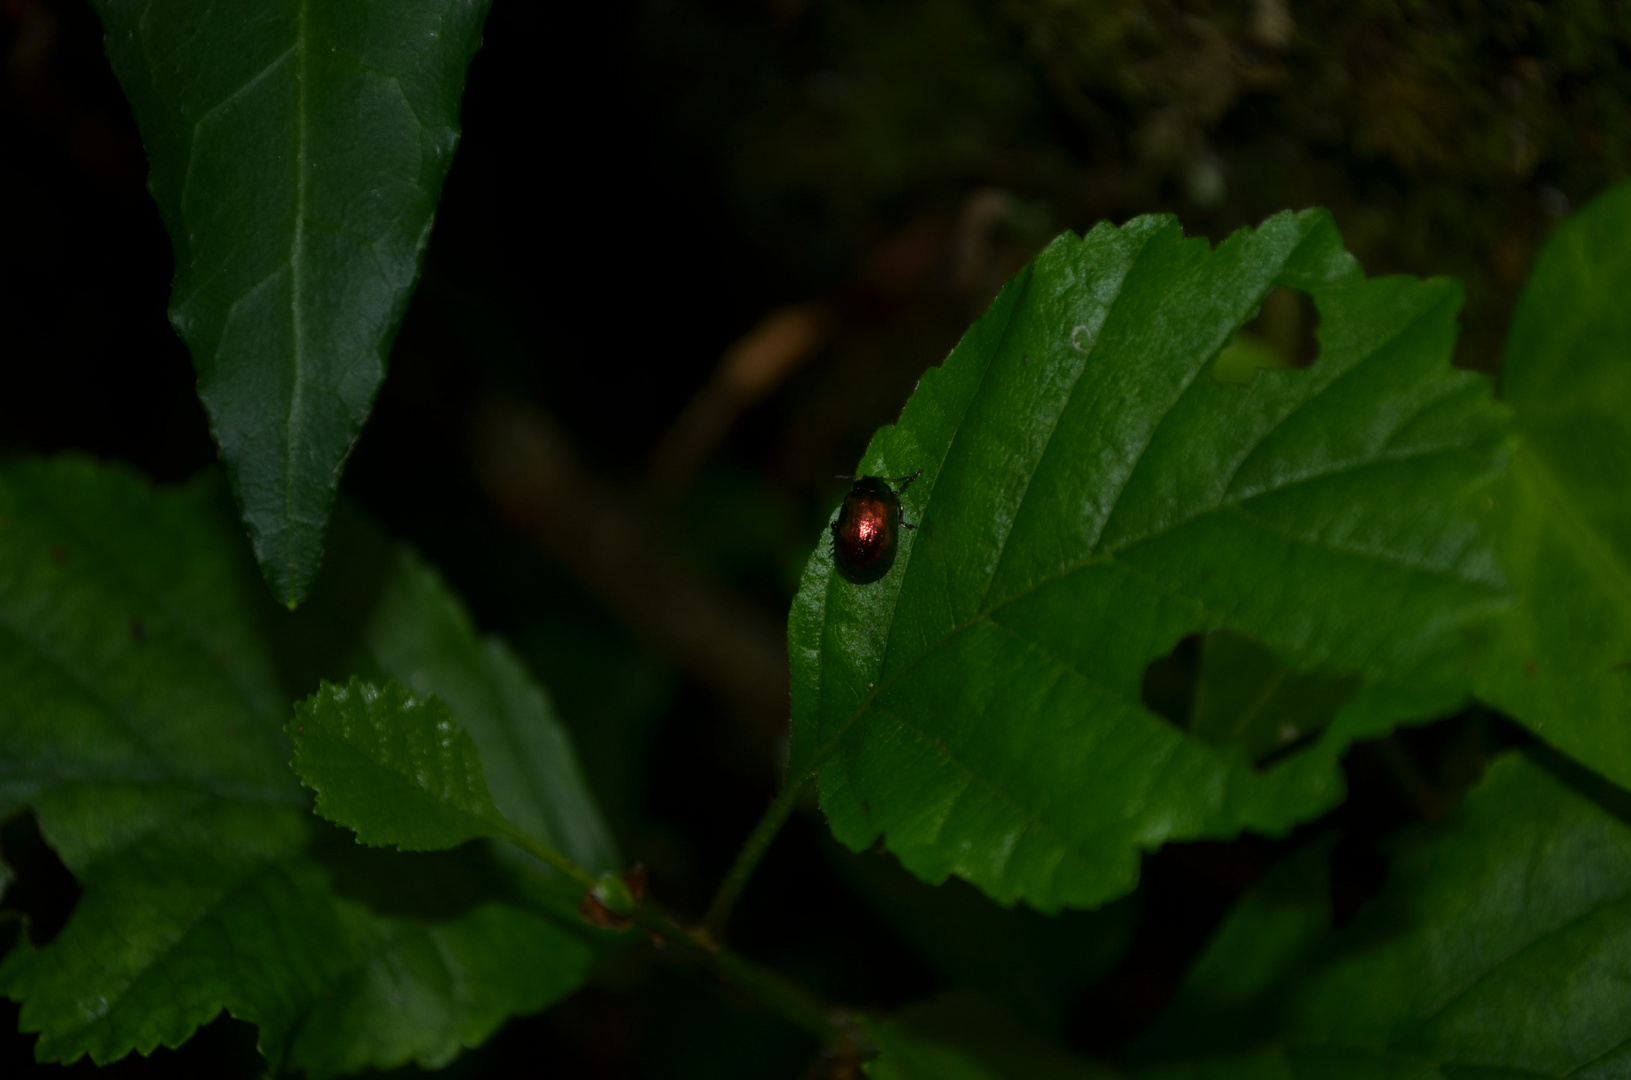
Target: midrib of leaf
{"x": 296, "y": 252}
{"x": 1579, "y": 534}
{"x": 1053, "y": 428}
{"x": 1540, "y": 939}
{"x": 889, "y": 632}
{"x": 1029, "y": 275}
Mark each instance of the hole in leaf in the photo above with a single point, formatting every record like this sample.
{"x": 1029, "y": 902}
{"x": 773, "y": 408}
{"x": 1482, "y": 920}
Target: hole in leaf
{"x": 1282, "y": 335}
{"x": 1228, "y": 690}
{"x": 1169, "y": 681}
{"x": 43, "y": 891}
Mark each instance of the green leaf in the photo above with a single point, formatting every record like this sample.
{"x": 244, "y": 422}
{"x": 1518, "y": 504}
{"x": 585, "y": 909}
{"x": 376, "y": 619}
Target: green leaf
{"x": 1089, "y": 496}
{"x": 962, "y": 1037}
{"x": 1560, "y": 661}
{"x": 1500, "y": 946}
{"x": 393, "y": 769}
{"x": 296, "y": 158}
{"x": 379, "y": 611}
{"x": 141, "y": 719}
{"x": 419, "y": 634}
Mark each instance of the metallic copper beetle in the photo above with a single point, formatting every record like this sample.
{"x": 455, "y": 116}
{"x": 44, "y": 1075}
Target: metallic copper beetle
{"x": 868, "y": 527}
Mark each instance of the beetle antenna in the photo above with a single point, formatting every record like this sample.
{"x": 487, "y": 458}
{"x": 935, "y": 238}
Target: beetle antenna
{"x": 843, "y": 478}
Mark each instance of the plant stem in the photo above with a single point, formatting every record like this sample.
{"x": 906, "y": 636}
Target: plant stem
{"x": 747, "y": 860}
{"x": 832, "y": 1026}
{"x": 549, "y": 856}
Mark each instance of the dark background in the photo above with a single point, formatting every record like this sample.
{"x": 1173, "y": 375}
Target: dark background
{"x": 638, "y": 187}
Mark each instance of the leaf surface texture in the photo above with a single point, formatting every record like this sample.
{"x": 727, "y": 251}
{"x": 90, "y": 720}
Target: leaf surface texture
{"x": 1088, "y": 495}
{"x": 141, "y": 719}
{"x": 1500, "y": 947}
{"x": 394, "y": 769}
{"x": 296, "y": 150}
{"x": 1560, "y": 661}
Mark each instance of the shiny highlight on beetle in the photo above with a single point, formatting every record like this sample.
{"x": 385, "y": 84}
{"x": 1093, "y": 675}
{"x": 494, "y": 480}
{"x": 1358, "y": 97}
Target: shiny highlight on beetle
{"x": 867, "y": 530}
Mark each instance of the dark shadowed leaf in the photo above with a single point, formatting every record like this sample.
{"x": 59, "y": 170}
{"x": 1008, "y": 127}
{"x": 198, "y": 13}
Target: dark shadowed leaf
{"x": 963, "y": 1037}
{"x": 1500, "y": 947}
{"x": 1088, "y": 496}
{"x": 296, "y": 150}
{"x": 1560, "y": 661}
{"x": 142, "y": 721}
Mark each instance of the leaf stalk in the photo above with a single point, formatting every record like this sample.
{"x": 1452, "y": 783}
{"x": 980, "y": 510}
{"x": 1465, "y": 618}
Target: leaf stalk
{"x": 833, "y": 1026}
{"x": 748, "y": 859}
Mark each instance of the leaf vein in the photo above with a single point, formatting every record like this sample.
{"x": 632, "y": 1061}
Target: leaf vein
{"x": 1053, "y": 429}
{"x": 242, "y": 88}
{"x": 1494, "y": 969}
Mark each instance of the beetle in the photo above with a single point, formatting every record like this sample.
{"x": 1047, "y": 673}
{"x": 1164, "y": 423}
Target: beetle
{"x": 866, "y": 532}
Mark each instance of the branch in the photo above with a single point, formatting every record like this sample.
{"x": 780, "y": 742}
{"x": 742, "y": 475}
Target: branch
{"x": 747, "y": 860}
{"x": 834, "y": 1027}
